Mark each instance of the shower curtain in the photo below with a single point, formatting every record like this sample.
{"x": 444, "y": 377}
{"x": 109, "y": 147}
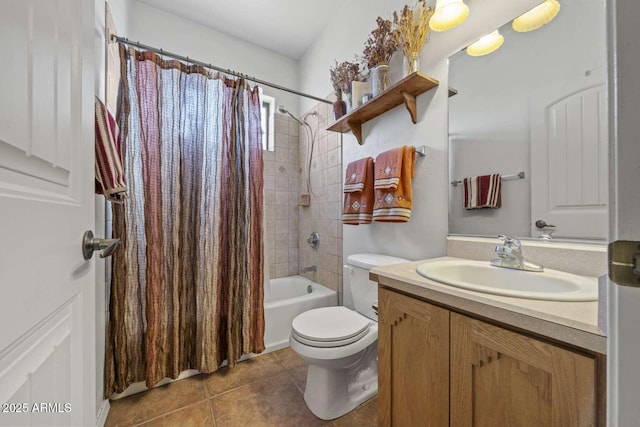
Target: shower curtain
{"x": 187, "y": 286}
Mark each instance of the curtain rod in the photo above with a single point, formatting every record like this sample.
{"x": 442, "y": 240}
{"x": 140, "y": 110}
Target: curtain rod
{"x": 125, "y": 40}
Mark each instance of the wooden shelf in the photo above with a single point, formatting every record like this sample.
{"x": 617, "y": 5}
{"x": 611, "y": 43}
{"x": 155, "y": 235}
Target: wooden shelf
{"x": 404, "y": 91}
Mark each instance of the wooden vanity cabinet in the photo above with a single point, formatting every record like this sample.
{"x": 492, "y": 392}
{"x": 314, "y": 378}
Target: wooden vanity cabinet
{"x": 441, "y": 368}
{"x": 413, "y": 362}
{"x": 503, "y": 378}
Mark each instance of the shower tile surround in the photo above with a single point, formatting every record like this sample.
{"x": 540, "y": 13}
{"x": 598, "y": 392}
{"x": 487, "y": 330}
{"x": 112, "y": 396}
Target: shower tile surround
{"x": 288, "y": 225}
{"x": 324, "y": 214}
{"x": 281, "y": 184}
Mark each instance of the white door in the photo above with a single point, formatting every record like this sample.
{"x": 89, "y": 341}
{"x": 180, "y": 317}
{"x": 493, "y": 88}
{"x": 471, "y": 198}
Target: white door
{"x": 623, "y": 344}
{"x": 47, "y": 316}
{"x": 569, "y": 157}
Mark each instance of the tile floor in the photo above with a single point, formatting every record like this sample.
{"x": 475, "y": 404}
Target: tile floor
{"x": 262, "y": 391}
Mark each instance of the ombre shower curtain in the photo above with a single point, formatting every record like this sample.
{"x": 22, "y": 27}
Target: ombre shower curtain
{"x": 187, "y": 286}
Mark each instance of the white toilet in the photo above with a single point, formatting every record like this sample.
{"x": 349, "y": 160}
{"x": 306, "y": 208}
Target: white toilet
{"x": 340, "y": 344}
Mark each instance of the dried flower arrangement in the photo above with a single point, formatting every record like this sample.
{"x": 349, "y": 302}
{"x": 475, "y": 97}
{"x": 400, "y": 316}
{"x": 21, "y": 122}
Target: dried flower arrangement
{"x": 412, "y": 27}
{"x": 343, "y": 73}
{"x": 381, "y": 44}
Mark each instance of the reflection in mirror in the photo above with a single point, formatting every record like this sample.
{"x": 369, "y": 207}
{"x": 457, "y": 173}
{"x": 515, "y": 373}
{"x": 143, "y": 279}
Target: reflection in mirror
{"x": 537, "y": 105}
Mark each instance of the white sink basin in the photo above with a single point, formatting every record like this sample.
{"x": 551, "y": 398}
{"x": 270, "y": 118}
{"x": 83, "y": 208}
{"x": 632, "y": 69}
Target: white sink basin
{"x": 480, "y": 276}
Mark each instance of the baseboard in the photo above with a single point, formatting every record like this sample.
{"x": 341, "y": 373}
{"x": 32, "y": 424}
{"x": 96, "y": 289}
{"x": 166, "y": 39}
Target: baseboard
{"x": 274, "y": 347}
{"x": 103, "y": 413}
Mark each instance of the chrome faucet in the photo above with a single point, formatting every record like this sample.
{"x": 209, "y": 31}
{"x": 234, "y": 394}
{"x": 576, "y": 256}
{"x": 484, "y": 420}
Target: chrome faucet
{"x": 510, "y": 256}
{"x": 308, "y": 269}
{"x": 314, "y": 239}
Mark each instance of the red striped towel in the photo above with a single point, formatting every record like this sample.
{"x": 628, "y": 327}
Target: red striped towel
{"x": 109, "y": 172}
{"x": 483, "y": 192}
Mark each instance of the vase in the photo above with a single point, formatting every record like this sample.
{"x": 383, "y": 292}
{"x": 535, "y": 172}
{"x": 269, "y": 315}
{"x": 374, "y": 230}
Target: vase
{"x": 410, "y": 63}
{"x": 349, "y": 102}
{"x": 339, "y": 106}
{"x": 379, "y": 79}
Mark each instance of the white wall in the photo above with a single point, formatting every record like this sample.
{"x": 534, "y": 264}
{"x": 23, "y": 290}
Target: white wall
{"x": 121, "y": 13}
{"x": 424, "y": 236}
{"x": 489, "y": 127}
{"x": 160, "y": 29}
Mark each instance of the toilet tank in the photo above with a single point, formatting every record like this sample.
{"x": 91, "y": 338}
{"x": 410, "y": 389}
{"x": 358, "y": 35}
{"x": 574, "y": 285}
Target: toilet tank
{"x": 358, "y": 291}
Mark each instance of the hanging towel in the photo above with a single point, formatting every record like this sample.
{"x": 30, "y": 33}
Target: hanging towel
{"x": 389, "y": 168}
{"x": 483, "y": 192}
{"x": 393, "y": 193}
{"x": 109, "y": 173}
{"x": 358, "y": 192}
{"x": 356, "y": 175}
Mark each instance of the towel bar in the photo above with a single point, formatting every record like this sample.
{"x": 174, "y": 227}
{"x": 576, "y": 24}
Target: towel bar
{"x": 421, "y": 150}
{"x": 519, "y": 175}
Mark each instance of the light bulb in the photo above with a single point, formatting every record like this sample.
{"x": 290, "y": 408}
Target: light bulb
{"x": 448, "y": 14}
{"x": 536, "y": 17}
{"x": 487, "y": 44}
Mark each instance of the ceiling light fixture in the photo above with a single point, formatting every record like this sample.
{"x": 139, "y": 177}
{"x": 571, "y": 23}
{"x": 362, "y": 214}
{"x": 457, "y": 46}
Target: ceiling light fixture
{"x": 537, "y": 17}
{"x": 448, "y": 14}
{"x": 487, "y": 44}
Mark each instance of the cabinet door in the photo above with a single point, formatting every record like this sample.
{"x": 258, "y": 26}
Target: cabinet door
{"x": 502, "y": 378}
{"x": 413, "y": 362}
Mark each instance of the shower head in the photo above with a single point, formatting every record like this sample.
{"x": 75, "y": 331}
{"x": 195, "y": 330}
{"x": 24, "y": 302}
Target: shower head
{"x": 283, "y": 110}
{"x": 310, "y": 113}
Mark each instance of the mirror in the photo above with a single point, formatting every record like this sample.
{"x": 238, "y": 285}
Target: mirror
{"x": 537, "y": 105}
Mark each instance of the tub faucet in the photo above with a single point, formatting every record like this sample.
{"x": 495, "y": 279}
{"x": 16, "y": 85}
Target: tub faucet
{"x": 308, "y": 269}
{"x": 510, "y": 256}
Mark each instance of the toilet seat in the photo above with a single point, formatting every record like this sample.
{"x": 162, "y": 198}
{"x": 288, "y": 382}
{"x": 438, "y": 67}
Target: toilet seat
{"x": 336, "y": 343}
{"x": 329, "y": 327}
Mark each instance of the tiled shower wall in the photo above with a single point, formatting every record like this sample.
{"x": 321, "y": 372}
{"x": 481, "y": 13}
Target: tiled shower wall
{"x": 288, "y": 225}
{"x": 281, "y": 183}
{"x": 325, "y": 212}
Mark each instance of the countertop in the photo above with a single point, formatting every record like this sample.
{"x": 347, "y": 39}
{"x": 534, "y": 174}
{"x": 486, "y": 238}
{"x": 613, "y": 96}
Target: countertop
{"x": 573, "y": 323}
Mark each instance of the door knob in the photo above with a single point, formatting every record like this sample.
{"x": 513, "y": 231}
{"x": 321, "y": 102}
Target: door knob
{"x": 91, "y": 244}
{"x": 543, "y": 224}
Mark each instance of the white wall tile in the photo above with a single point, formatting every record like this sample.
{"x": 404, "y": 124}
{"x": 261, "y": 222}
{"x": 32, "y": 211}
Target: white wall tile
{"x": 281, "y": 198}
{"x": 282, "y": 255}
{"x": 282, "y": 270}
{"x": 294, "y": 127}
{"x": 282, "y": 240}
{"x": 281, "y": 218}
{"x": 282, "y": 226}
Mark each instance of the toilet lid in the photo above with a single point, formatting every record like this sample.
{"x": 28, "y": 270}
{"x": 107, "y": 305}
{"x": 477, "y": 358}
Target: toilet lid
{"x": 330, "y": 325}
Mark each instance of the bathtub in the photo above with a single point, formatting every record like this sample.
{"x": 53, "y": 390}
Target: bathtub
{"x": 284, "y": 299}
